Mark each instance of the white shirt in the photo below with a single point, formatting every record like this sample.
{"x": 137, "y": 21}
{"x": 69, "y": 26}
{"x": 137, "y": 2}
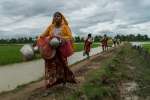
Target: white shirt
{"x": 90, "y": 39}
{"x": 57, "y": 31}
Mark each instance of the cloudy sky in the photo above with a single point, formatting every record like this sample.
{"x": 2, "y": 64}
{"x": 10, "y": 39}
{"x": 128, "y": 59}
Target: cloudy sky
{"x": 31, "y": 17}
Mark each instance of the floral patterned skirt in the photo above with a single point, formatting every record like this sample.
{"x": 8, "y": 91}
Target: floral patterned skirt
{"x": 57, "y": 71}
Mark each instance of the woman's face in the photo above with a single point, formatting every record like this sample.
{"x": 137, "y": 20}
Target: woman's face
{"x": 57, "y": 17}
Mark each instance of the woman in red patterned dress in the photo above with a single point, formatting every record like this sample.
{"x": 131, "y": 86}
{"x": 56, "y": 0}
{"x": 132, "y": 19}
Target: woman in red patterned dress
{"x": 56, "y": 66}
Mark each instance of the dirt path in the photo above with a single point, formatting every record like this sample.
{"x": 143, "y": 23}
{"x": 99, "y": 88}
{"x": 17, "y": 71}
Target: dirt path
{"x": 36, "y": 91}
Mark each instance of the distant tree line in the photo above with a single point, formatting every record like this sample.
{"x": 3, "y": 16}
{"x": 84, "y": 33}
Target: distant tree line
{"x": 129, "y": 37}
{"x": 96, "y": 38}
{"x": 132, "y": 37}
{"x": 17, "y": 40}
{"x": 81, "y": 39}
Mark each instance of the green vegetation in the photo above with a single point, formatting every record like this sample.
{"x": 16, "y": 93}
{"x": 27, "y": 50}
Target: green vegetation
{"x": 11, "y": 53}
{"x": 133, "y": 37}
{"x": 147, "y": 47}
{"x": 78, "y": 39}
{"x": 123, "y": 65}
{"x": 127, "y": 65}
{"x": 100, "y": 84}
{"x": 80, "y": 46}
{"x": 21, "y": 40}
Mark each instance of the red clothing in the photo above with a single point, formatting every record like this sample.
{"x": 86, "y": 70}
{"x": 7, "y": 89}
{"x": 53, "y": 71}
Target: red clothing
{"x": 66, "y": 49}
{"x": 104, "y": 42}
{"x": 46, "y": 51}
{"x": 87, "y": 45}
{"x": 56, "y": 67}
{"x": 57, "y": 71}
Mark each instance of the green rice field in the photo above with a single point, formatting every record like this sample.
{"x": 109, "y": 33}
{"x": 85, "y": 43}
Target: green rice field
{"x": 80, "y": 46}
{"x": 147, "y": 46}
{"x": 11, "y": 53}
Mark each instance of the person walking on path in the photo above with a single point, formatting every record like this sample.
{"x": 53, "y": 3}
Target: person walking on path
{"x": 55, "y": 45}
{"x": 87, "y": 45}
{"x": 104, "y": 43}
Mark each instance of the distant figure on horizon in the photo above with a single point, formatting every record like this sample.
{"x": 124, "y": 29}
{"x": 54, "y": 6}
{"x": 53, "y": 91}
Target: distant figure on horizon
{"x": 104, "y": 43}
{"x": 87, "y": 45}
{"x": 55, "y": 45}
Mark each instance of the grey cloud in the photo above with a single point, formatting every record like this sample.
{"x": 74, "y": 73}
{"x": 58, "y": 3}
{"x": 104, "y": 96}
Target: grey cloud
{"x": 131, "y": 12}
{"x": 26, "y": 8}
{"x": 134, "y": 12}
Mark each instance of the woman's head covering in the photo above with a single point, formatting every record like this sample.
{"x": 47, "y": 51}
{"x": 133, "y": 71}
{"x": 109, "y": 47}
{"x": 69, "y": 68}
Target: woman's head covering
{"x": 65, "y": 30}
{"x": 64, "y": 21}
